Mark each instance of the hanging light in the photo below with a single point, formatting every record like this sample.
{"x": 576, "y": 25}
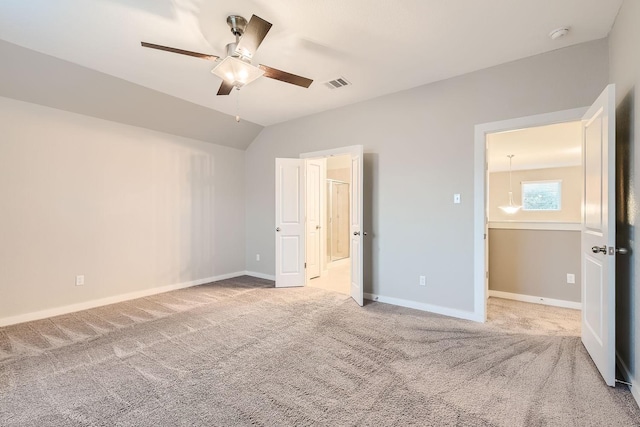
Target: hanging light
{"x": 511, "y": 208}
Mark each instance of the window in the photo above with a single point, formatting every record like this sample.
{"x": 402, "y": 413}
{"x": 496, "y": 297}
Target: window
{"x": 541, "y": 195}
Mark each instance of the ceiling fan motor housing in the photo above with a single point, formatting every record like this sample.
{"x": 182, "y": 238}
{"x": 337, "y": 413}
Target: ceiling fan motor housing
{"x": 237, "y": 24}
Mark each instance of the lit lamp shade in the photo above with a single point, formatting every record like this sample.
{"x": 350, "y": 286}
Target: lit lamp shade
{"x": 237, "y": 72}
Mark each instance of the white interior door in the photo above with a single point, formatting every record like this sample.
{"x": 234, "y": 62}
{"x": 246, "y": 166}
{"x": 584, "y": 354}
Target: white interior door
{"x": 289, "y": 228}
{"x": 314, "y": 173}
{"x": 356, "y": 232}
{"x": 598, "y": 234}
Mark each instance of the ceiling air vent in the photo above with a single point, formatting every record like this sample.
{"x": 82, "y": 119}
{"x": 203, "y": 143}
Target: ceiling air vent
{"x": 337, "y": 83}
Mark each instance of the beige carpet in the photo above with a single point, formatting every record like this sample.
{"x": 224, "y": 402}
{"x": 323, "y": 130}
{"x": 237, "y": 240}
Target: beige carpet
{"x": 239, "y": 352}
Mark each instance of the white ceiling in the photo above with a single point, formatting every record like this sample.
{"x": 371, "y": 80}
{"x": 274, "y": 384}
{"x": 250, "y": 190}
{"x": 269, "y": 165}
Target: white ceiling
{"x": 381, "y": 46}
{"x": 542, "y": 147}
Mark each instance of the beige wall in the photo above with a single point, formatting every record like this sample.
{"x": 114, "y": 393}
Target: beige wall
{"x": 571, "y": 194}
{"x": 624, "y": 70}
{"x": 339, "y": 168}
{"x": 129, "y": 208}
{"x": 535, "y": 263}
{"x": 419, "y": 151}
{"x": 343, "y": 175}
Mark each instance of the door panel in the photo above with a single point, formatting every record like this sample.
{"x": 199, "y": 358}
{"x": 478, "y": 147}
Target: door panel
{"x": 598, "y": 234}
{"x": 289, "y": 234}
{"x": 356, "y": 232}
{"x": 314, "y": 173}
{"x": 592, "y": 299}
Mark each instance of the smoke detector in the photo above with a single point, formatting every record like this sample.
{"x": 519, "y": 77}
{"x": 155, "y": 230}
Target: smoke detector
{"x": 559, "y": 32}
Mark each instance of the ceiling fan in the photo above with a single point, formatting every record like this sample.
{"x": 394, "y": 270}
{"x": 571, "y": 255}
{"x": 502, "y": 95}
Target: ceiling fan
{"x": 236, "y": 69}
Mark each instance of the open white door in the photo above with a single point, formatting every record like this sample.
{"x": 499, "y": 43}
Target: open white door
{"x": 313, "y": 169}
{"x": 356, "y": 231}
{"x": 598, "y": 234}
{"x": 290, "y": 255}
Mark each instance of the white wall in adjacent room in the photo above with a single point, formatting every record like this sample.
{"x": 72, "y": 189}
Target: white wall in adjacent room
{"x": 571, "y": 194}
{"x": 129, "y": 208}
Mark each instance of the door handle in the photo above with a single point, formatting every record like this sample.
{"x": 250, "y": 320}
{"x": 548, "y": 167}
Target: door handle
{"x": 596, "y": 249}
{"x": 317, "y": 227}
{"x": 622, "y": 251}
{"x": 356, "y": 233}
{"x": 277, "y": 228}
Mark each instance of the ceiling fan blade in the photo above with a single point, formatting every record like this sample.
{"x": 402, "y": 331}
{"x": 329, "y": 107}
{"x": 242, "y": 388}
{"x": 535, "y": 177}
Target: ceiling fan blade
{"x": 256, "y": 31}
{"x": 283, "y": 76}
{"x": 225, "y": 88}
{"x": 180, "y": 51}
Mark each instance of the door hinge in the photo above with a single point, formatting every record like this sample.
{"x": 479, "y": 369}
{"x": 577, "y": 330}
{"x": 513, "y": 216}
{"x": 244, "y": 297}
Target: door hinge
{"x": 305, "y": 265}
{"x": 485, "y": 236}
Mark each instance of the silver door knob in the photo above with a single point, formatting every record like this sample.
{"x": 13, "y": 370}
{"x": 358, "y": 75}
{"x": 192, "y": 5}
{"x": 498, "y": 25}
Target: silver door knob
{"x": 317, "y": 227}
{"x": 365, "y": 233}
{"x": 622, "y": 251}
{"x": 596, "y": 249}
{"x": 277, "y": 228}
{"x": 356, "y": 233}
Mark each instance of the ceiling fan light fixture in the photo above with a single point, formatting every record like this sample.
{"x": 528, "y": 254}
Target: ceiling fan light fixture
{"x": 236, "y": 71}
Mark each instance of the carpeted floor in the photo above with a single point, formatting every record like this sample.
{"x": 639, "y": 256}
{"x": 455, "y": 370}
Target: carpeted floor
{"x": 239, "y": 352}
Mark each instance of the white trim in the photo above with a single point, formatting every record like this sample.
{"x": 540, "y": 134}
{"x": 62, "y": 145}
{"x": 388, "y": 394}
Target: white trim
{"x": 479, "y": 172}
{"x": 451, "y": 312}
{"x": 536, "y": 300}
{"x": 351, "y": 149}
{"x": 260, "y": 275}
{"x": 635, "y": 392}
{"x": 72, "y": 308}
{"x": 536, "y": 225}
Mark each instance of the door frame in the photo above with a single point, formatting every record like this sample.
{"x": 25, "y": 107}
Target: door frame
{"x": 480, "y": 220}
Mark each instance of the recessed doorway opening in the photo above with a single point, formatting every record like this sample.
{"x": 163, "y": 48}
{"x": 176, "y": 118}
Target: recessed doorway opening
{"x": 534, "y": 213}
{"x": 318, "y": 239}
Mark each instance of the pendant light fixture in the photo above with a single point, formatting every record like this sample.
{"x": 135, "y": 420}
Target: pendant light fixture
{"x": 511, "y": 208}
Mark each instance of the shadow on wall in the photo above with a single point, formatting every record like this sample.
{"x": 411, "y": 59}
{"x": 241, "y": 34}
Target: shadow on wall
{"x": 370, "y": 188}
{"x": 625, "y": 232}
{"x": 200, "y": 229}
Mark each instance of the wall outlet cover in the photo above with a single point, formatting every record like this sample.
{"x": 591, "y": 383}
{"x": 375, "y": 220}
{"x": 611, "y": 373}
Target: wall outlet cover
{"x": 423, "y": 281}
{"x": 79, "y": 280}
{"x": 571, "y": 278}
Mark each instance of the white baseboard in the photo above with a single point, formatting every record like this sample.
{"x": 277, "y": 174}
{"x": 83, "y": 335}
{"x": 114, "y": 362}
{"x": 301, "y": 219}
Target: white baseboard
{"x": 451, "y": 312}
{"x": 536, "y": 300}
{"x": 72, "y": 308}
{"x": 260, "y": 275}
{"x": 635, "y": 392}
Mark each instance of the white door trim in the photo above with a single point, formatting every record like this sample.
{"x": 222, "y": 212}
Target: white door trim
{"x": 479, "y": 190}
{"x": 351, "y": 149}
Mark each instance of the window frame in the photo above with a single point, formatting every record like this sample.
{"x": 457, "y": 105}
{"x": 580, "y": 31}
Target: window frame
{"x": 542, "y": 181}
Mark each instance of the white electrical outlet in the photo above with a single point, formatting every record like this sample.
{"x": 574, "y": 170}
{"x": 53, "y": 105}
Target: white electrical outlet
{"x": 257, "y": 257}
{"x": 423, "y": 281}
{"x": 571, "y": 278}
{"x": 79, "y": 280}
{"x": 456, "y": 198}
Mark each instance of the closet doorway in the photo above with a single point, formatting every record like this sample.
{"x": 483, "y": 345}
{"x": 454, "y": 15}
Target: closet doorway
{"x": 335, "y": 221}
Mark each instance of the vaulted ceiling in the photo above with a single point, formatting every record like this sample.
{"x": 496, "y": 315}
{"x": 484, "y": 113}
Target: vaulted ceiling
{"x": 380, "y": 46}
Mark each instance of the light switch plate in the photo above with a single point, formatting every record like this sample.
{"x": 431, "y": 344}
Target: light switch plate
{"x": 456, "y": 198}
